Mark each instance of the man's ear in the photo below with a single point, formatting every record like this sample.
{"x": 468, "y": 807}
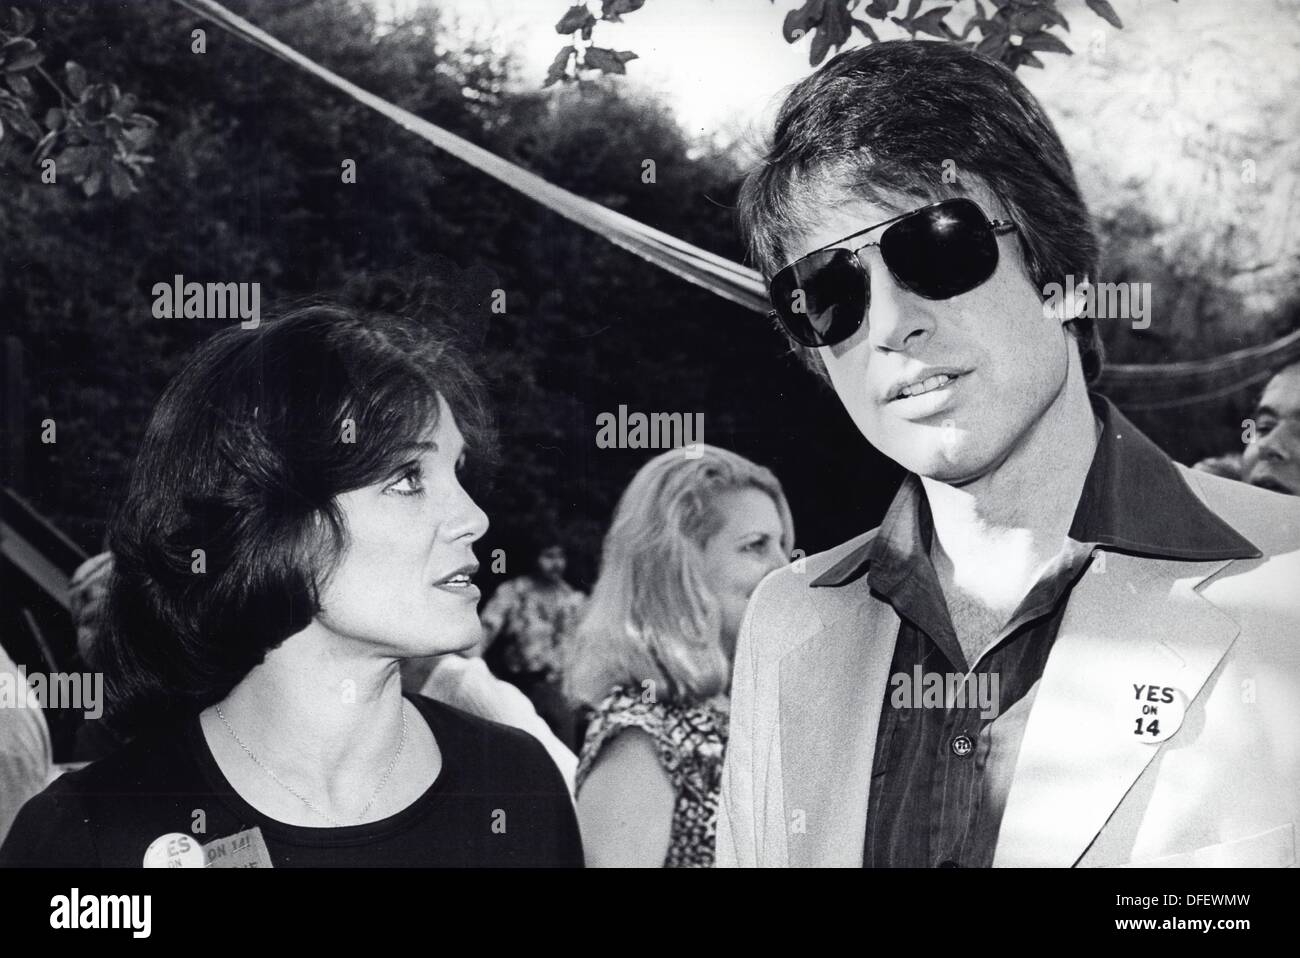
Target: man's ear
{"x": 1068, "y": 302}
{"x": 1078, "y": 300}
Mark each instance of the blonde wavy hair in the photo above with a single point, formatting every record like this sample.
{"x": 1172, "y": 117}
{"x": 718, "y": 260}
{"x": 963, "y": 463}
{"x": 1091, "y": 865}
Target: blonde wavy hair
{"x": 651, "y": 617}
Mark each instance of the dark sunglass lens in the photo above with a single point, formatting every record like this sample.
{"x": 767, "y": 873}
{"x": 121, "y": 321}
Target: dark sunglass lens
{"x": 943, "y": 251}
{"x": 821, "y": 298}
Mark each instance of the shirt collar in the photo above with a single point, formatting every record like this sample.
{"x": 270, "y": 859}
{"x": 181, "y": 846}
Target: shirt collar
{"x": 1134, "y": 501}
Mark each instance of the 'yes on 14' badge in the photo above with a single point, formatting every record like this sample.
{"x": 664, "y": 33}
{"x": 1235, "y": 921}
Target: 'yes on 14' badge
{"x": 1151, "y": 712}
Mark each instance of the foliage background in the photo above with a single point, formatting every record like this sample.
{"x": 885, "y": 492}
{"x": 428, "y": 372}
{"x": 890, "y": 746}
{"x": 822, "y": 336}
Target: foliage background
{"x": 245, "y": 187}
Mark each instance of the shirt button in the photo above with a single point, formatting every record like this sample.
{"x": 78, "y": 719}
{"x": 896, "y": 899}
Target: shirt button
{"x": 962, "y": 745}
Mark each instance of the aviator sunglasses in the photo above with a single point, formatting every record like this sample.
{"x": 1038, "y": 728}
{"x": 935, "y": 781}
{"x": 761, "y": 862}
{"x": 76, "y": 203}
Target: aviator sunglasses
{"x": 938, "y": 252}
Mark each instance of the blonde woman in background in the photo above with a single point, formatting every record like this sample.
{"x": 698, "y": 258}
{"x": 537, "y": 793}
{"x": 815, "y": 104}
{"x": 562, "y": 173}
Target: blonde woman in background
{"x": 690, "y": 541}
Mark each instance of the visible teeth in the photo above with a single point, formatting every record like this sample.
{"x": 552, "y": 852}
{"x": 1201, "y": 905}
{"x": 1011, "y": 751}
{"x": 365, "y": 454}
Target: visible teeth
{"x": 460, "y": 579}
{"x": 934, "y": 382}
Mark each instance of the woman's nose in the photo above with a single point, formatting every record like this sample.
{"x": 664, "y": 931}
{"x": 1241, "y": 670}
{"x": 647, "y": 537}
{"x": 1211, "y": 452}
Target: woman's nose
{"x": 469, "y": 521}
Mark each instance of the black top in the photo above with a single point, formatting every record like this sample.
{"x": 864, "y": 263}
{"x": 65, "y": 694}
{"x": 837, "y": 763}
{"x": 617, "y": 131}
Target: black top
{"x": 498, "y": 801}
{"x": 942, "y": 770}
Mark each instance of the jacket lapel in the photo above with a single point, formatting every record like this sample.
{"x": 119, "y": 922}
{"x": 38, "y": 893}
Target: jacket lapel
{"x": 1131, "y": 622}
{"x": 832, "y": 687}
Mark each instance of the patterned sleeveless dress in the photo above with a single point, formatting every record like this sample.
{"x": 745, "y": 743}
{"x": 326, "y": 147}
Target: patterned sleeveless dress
{"x": 689, "y": 741}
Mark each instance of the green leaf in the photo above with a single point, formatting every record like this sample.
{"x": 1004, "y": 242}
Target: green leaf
{"x": 76, "y": 75}
{"x": 23, "y": 124}
{"x": 1104, "y": 10}
{"x": 75, "y": 160}
{"x": 866, "y": 30}
{"x": 20, "y": 54}
{"x": 55, "y": 118}
{"x": 559, "y": 68}
{"x": 1056, "y": 17}
{"x": 92, "y": 183}
{"x": 993, "y": 45}
{"x": 604, "y": 60}
{"x": 23, "y": 22}
{"x": 931, "y": 22}
{"x": 119, "y": 182}
{"x": 137, "y": 138}
{"x": 125, "y": 106}
{"x": 46, "y": 145}
{"x": 837, "y": 22}
{"x": 577, "y": 18}
{"x": 1046, "y": 43}
{"x": 1023, "y": 56}
{"x": 799, "y": 23}
{"x": 1034, "y": 19}
{"x": 613, "y": 10}
{"x": 19, "y": 84}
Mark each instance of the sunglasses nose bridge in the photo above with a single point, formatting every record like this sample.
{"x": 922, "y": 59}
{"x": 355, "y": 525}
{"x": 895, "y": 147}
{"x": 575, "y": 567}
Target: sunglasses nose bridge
{"x": 896, "y": 317}
{"x": 858, "y": 250}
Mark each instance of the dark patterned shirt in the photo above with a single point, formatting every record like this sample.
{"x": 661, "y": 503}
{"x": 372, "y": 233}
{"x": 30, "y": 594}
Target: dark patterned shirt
{"x": 534, "y": 622}
{"x": 689, "y": 741}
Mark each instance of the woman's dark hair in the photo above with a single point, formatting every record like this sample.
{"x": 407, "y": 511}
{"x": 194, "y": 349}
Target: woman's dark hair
{"x": 893, "y": 117}
{"x": 230, "y": 525}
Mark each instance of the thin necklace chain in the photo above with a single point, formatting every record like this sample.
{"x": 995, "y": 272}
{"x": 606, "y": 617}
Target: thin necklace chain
{"x": 298, "y": 795}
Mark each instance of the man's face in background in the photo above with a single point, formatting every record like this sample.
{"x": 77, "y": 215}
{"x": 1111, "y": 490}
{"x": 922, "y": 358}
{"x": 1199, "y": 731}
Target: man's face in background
{"x": 551, "y": 563}
{"x": 1272, "y": 461}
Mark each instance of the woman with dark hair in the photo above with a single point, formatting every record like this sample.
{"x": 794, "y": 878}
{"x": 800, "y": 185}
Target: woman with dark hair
{"x": 295, "y": 527}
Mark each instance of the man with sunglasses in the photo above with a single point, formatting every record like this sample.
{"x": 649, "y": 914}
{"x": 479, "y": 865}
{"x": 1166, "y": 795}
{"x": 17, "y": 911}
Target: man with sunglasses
{"x": 1059, "y": 647}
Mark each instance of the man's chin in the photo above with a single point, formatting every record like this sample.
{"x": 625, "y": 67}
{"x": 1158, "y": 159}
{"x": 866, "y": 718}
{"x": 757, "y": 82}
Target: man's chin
{"x": 952, "y": 465}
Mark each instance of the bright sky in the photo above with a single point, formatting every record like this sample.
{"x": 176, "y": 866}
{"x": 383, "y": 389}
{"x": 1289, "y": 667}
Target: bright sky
{"x": 1168, "y": 112}
{"x": 716, "y": 62}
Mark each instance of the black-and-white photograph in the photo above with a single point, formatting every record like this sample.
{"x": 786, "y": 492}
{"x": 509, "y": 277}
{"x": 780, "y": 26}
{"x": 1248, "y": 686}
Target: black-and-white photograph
{"x": 650, "y": 433}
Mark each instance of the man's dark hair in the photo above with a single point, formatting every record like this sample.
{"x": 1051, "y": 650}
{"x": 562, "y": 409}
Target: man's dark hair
{"x": 884, "y": 119}
{"x": 243, "y": 458}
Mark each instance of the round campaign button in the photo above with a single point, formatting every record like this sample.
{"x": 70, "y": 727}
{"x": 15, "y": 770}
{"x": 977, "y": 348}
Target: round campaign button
{"x": 1151, "y": 712}
{"x": 174, "y": 850}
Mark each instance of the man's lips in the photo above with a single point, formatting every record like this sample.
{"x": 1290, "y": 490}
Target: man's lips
{"x": 923, "y": 381}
